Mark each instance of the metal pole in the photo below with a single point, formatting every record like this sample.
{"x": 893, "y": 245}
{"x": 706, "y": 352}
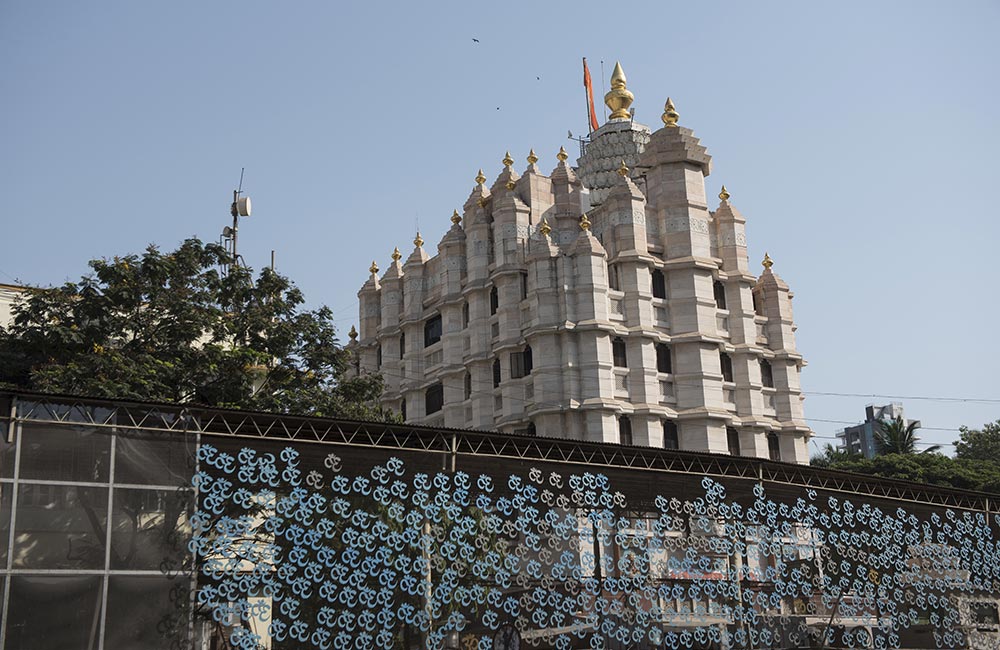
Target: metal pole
{"x": 236, "y": 218}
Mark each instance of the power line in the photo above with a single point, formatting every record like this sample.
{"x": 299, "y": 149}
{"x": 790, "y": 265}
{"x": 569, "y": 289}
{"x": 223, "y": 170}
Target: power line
{"x": 491, "y": 393}
{"x": 984, "y": 400}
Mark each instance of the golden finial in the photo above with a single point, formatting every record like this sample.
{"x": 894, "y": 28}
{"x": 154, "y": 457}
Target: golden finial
{"x": 480, "y": 178}
{"x": 545, "y": 228}
{"x": 670, "y": 115}
{"x": 768, "y": 262}
{"x": 724, "y": 194}
{"x": 562, "y": 155}
{"x": 418, "y": 241}
{"x": 396, "y": 255}
{"x": 456, "y": 218}
{"x": 507, "y": 160}
{"x": 373, "y": 269}
{"x": 623, "y": 169}
{"x": 353, "y": 333}
{"x": 511, "y": 184}
{"x": 482, "y": 201}
{"x": 584, "y": 222}
{"x": 532, "y": 158}
{"x": 619, "y": 98}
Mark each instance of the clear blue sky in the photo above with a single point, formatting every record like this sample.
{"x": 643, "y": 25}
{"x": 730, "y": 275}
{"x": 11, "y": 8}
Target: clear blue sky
{"x": 859, "y": 139}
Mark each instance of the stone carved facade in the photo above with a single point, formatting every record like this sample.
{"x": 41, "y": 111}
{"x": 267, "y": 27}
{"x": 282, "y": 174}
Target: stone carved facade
{"x": 649, "y": 328}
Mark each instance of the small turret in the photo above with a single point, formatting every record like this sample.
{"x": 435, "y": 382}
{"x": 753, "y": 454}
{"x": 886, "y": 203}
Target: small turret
{"x": 730, "y": 236}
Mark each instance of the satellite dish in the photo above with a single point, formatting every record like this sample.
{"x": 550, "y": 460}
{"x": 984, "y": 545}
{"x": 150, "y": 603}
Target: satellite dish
{"x": 243, "y": 206}
{"x": 227, "y": 232}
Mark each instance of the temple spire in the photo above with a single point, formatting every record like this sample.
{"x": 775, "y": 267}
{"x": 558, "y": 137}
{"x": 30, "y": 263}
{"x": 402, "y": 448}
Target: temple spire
{"x": 670, "y": 115}
{"x": 619, "y": 98}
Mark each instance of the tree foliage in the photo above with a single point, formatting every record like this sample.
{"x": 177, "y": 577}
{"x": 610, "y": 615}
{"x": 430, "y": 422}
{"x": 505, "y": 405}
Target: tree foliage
{"x": 932, "y": 468}
{"x": 831, "y": 456}
{"x": 173, "y": 328}
{"x": 979, "y": 444}
{"x": 894, "y": 436}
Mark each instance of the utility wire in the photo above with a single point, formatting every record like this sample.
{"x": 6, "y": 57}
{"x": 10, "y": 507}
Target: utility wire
{"x": 526, "y": 401}
{"x": 984, "y": 400}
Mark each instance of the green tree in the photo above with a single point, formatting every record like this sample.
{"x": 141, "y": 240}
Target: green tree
{"x": 831, "y": 456}
{"x": 894, "y": 436}
{"x": 935, "y": 469}
{"x": 174, "y": 328}
{"x": 979, "y": 444}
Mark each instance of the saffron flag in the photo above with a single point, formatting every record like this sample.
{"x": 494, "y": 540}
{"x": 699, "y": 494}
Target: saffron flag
{"x": 590, "y": 97}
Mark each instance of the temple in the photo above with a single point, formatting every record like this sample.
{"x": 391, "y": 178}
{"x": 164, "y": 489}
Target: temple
{"x": 604, "y": 302}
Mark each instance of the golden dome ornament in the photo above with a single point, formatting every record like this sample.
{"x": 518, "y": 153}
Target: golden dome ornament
{"x": 562, "y": 155}
{"x": 373, "y": 269}
{"x": 724, "y": 194}
{"x": 619, "y": 98}
{"x": 480, "y": 177}
{"x": 456, "y": 218}
{"x": 768, "y": 262}
{"x": 507, "y": 160}
{"x": 545, "y": 228}
{"x": 532, "y": 158}
{"x": 623, "y": 169}
{"x": 396, "y": 255}
{"x": 584, "y": 222}
{"x": 353, "y": 333}
{"x": 670, "y": 115}
{"x": 418, "y": 241}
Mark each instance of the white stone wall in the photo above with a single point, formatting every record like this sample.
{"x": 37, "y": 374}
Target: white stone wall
{"x": 9, "y": 293}
{"x": 554, "y": 294}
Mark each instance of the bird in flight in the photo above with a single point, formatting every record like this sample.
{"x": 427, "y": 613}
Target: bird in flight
{"x": 475, "y": 40}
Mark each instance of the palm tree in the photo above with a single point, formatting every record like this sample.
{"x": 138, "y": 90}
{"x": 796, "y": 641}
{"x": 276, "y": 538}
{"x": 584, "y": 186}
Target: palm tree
{"x": 894, "y": 436}
{"x": 830, "y": 456}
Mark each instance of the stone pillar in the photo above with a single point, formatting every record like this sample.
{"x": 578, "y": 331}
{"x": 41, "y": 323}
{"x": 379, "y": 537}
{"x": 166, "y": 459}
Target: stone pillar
{"x": 676, "y": 166}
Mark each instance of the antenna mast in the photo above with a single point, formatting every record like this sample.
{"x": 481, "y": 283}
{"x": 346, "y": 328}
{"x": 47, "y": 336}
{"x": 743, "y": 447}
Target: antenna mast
{"x": 239, "y": 208}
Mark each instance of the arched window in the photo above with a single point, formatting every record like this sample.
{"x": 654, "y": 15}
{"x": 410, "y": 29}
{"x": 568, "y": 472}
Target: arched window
{"x": 733, "y": 439}
{"x": 659, "y": 284}
{"x": 496, "y": 373}
{"x": 625, "y": 430}
{"x": 520, "y": 363}
{"x": 433, "y": 399}
{"x": 670, "y": 440}
{"x": 766, "y": 374}
{"x": 726, "y": 363}
{"x": 618, "y": 356}
{"x": 663, "y": 361}
{"x": 720, "y": 294}
{"x": 468, "y": 385}
{"x": 494, "y": 300}
{"x": 614, "y": 282}
{"x": 432, "y": 330}
{"x": 773, "y": 446}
